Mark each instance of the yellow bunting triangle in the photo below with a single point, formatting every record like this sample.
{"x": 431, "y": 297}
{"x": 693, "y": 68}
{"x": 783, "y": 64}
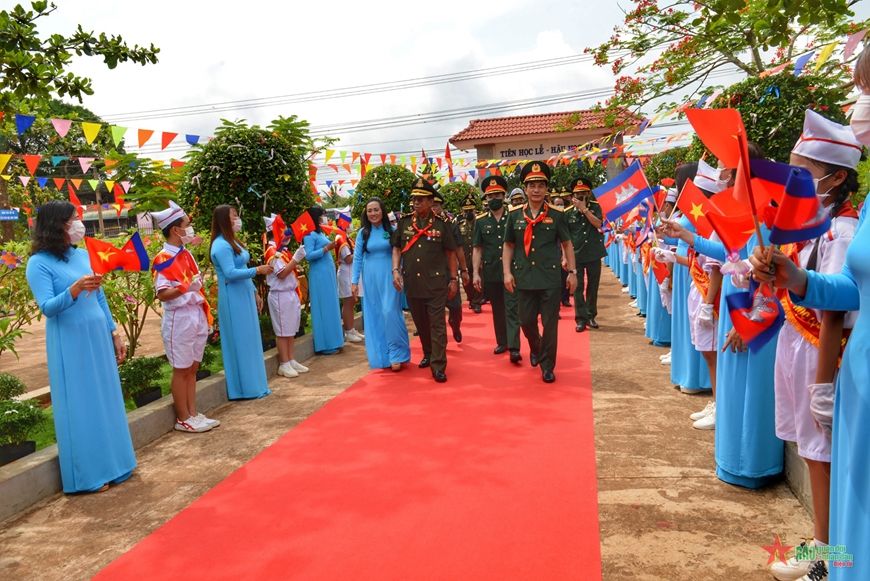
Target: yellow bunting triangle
{"x": 4, "y": 159}
{"x": 110, "y": 184}
{"x": 824, "y": 55}
{"x": 329, "y": 154}
{"x": 90, "y": 130}
{"x": 6, "y": 177}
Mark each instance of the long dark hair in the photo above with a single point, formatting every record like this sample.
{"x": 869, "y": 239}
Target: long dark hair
{"x": 367, "y": 226}
{"x": 223, "y": 226}
{"x": 843, "y": 191}
{"x": 316, "y": 212}
{"x": 49, "y": 235}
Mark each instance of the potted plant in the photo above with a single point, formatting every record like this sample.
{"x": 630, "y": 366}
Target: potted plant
{"x": 266, "y": 332}
{"x": 139, "y": 377}
{"x": 208, "y": 359}
{"x": 18, "y": 419}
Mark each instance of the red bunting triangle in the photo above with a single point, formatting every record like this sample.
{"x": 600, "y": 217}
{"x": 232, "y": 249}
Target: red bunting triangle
{"x": 383, "y": 158}
{"x": 58, "y": 182}
{"x": 74, "y": 199}
{"x": 144, "y": 136}
{"x": 167, "y": 138}
{"x": 334, "y": 167}
{"x": 176, "y": 163}
{"x": 353, "y": 156}
{"x": 346, "y": 167}
{"x": 32, "y": 162}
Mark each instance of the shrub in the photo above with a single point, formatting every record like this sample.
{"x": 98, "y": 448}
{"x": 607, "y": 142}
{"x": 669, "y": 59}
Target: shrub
{"x": 454, "y": 193}
{"x": 391, "y": 183}
{"x": 10, "y": 386}
{"x": 140, "y": 374}
{"x": 18, "y": 419}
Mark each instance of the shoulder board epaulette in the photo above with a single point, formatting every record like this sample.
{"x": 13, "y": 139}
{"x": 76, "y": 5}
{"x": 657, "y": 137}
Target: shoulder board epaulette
{"x": 557, "y": 208}
{"x": 512, "y": 208}
{"x": 481, "y": 215}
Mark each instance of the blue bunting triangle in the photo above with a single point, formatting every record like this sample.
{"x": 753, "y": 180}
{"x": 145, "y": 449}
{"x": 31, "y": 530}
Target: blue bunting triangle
{"x": 23, "y": 122}
{"x": 42, "y": 182}
{"x": 56, "y": 159}
{"x": 192, "y": 139}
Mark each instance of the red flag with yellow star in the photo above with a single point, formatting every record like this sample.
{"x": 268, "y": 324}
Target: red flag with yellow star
{"x": 105, "y": 257}
{"x": 696, "y": 207}
{"x": 303, "y": 225}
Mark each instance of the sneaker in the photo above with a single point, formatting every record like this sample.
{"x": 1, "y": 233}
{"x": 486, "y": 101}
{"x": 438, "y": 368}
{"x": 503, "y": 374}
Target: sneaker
{"x": 298, "y": 366}
{"x": 286, "y": 370}
{"x": 792, "y": 569}
{"x": 708, "y": 422}
{"x": 191, "y": 425}
{"x": 666, "y": 360}
{"x": 711, "y": 405}
{"x": 357, "y": 333}
{"x": 211, "y": 421}
{"x": 692, "y": 390}
{"x": 633, "y": 304}
{"x": 350, "y": 337}
{"x": 818, "y": 572}
{"x": 665, "y": 356}
{"x": 625, "y": 289}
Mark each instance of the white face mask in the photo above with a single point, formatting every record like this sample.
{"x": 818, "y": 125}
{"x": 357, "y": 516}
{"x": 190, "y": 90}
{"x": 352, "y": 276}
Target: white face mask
{"x": 861, "y": 119}
{"x": 816, "y": 182}
{"x": 237, "y": 224}
{"x": 188, "y": 235}
{"x": 76, "y": 231}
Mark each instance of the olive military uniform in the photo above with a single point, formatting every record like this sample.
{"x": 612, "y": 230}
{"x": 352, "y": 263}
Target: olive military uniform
{"x": 589, "y": 249}
{"x": 465, "y": 223}
{"x": 425, "y": 245}
{"x": 454, "y": 305}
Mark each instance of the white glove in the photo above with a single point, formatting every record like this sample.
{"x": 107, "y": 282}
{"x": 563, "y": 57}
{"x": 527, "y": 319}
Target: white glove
{"x": 665, "y": 256}
{"x": 705, "y": 315}
{"x": 822, "y": 405}
{"x": 299, "y": 255}
{"x": 740, "y": 280}
{"x": 195, "y": 284}
{"x": 735, "y": 266}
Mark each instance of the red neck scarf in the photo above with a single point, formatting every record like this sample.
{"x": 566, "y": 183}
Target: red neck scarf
{"x": 418, "y": 232}
{"x": 530, "y": 227}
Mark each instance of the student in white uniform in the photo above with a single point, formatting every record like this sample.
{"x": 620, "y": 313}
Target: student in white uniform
{"x": 186, "y": 316}
{"x": 344, "y": 253}
{"x": 285, "y": 308}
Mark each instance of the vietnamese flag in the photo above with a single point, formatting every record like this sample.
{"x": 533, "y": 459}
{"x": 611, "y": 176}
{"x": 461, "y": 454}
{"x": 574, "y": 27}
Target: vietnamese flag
{"x": 757, "y": 315}
{"x": 733, "y": 231}
{"x": 722, "y": 132}
{"x": 278, "y": 230}
{"x": 303, "y": 225}
{"x": 105, "y": 257}
{"x": 660, "y": 271}
{"x": 696, "y": 207}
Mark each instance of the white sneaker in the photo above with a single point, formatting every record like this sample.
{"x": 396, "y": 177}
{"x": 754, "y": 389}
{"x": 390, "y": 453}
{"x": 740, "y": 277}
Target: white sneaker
{"x": 708, "y": 422}
{"x": 665, "y": 356}
{"x": 666, "y": 360}
{"x": 285, "y": 370}
{"x": 633, "y": 304}
{"x": 357, "y": 333}
{"x": 213, "y": 422}
{"x": 191, "y": 425}
{"x": 692, "y": 390}
{"x": 711, "y": 405}
{"x": 350, "y": 337}
{"x": 298, "y": 366}
{"x": 818, "y": 572}
{"x": 625, "y": 289}
{"x": 792, "y": 569}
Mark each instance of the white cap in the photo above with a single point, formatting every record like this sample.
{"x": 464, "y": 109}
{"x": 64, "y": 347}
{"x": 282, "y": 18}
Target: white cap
{"x": 517, "y": 192}
{"x": 827, "y": 141}
{"x": 166, "y": 217}
{"x": 671, "y": 195}
{"x": 391, "y": 216}
{"x": 707, "y": 178}
{"x": 269, "y": 220}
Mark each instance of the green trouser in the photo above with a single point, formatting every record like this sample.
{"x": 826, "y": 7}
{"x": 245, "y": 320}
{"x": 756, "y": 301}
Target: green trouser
{"x": 543, "y": 302}
{"x": 586, "y": 295}
{"x": 495, "y": 293}
{"x": 512, "y": 316}
{"x": 428, "y": 315}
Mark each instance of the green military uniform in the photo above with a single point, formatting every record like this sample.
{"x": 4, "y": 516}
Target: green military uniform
{"x": 489, "y": 236}
{"x": 465, "y": 223}
{"x": 425, "y": 245}
{"x": 537, "y": 272}
{"x": 589, "y": 249}
{"x": 454, "y": 304}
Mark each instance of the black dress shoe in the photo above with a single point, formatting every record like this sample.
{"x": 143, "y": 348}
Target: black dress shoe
{"x": 424, "y": 362}
{"x": 439, "y": 376}
{"x": 580, "y": 327}
{"x": 477, "y": 309}
{"x": 457, "y": 334}
{"x": 515, "y": 356}
{"x": 548, "y": 376}
{"x": 499, "y": 350}
{"x": 533, "y": 359}
{"x": 592, "y": 324}
{"x": 566, "y": 303}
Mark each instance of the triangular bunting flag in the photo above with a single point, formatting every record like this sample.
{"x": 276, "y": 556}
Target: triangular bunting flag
{"x": 6, "y": 177}
{"x": 176, "y": 163}
{"x": 76, "y": 182}
{"x": 144, "y": 136}
{"x": 61, "y": 126}
{"x": 24, "y": 180}
{"x": 110, "y": 163}
{"x": 852, "y": 43}
{"x": 41, "y": 182}
{"x": 346, "y": 167}
{"x": 801, "y": 61}
{"x": 334, "y": 167}
{"x": 167, "y": 138}
{"x": 58, "y": 182}
{"x": 383, "y": 158}
{"x": 32, "y": 162}
{"x": 342, "y": 155}
{"x": 94, "y": 184}
{"x": 4, "y": 159}
{"x": 56, "y": 159}
{"x": 85, "y": 163}
{"x": 824, "y": 55}
{"x": 353, "y": 156}
{"x": 110, "y": 185}
{"x": 191, "y": 139}
{"x": 126, "y": 186}
{"x": 90, "y": 130}
{"x": 23, "y": 122}
{"x": 329, "y": 153}
{"x": 118, "y": 133}
{"x": 393, "y": 159}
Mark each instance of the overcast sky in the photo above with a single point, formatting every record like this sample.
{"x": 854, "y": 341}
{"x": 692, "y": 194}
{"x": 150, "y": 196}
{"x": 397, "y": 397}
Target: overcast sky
{"x": 220, "y": 51}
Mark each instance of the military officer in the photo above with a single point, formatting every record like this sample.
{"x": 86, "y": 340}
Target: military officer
{"x": 584, "y": 222}
{"x": 488, "y": 241}
{"x": 517, "y": 197}
{"x": 424, "y": 265}
{"x": 465, "y": 222}
{"x": 536, "y": 238}
{"x": 454, "y": 304}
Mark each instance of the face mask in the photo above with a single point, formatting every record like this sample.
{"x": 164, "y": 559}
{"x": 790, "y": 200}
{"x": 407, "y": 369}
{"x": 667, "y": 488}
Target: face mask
{"x": 237, "y": 224}
{"x": 188, "y": 235}
{"x": 76, "y": 231}
{"x": 861, "y": 119}
{"x": 495, "y": 204}
{"x": 816, "y": 182}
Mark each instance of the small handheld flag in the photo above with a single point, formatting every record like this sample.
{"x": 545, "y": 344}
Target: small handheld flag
{"x": 105, "y": 257}
{"x": 756, "y": 314}
{"x": 800, "y": 215}
{"x": 623, "y": 192}
{"x": 343, "y": 221}
{"x": 303, "y": 225}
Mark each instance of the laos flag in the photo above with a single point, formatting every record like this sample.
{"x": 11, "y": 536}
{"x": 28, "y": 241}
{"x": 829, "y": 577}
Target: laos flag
{"x": 800, "y": 215}
{"x": 623, "y": 192}
{"x": 756, "y": 314}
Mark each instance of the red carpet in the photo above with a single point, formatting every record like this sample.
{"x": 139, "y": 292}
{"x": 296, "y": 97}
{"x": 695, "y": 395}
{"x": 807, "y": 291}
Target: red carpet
{"x": 489, "y": 476}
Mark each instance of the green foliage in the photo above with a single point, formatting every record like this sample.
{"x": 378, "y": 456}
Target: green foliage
{"x": 37, "y": 68}
{"x": 694, "y": 39}
{"x": 664, "y": 165}
{"x": 863, "y": 181}
{"x": 140, "y": 374}
{"x": 17, "y": 307}
{"x": 454, "y": 193}
{"x": 391, "y": 183}
{"x": 563, "y": 175}
{"x": 152, "y": 183}
{"x": 10, "y": 386}
{"x": 18, "y": 420}
{"x": 773, "y": 109}
{"x": 257, "y": 170}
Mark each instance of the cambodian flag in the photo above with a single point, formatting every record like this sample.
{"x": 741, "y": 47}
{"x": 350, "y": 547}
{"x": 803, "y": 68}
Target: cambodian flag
{"x": 623, "y": 192}
{"x": 756, "y": 314}
{"x": 343, "y": 221}
{"x": 800, "y": 215}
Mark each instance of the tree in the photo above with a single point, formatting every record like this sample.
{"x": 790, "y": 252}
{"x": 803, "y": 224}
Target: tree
{"x": 35, "y": 69}
{"x": 664, "y": 164}
{"x": 563, "y": 175}
{"x": 391, "y": 183}
{"x": 455, "y": 193}
{"x": 698, "y": 38}
{"x": 258, "y": 170}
